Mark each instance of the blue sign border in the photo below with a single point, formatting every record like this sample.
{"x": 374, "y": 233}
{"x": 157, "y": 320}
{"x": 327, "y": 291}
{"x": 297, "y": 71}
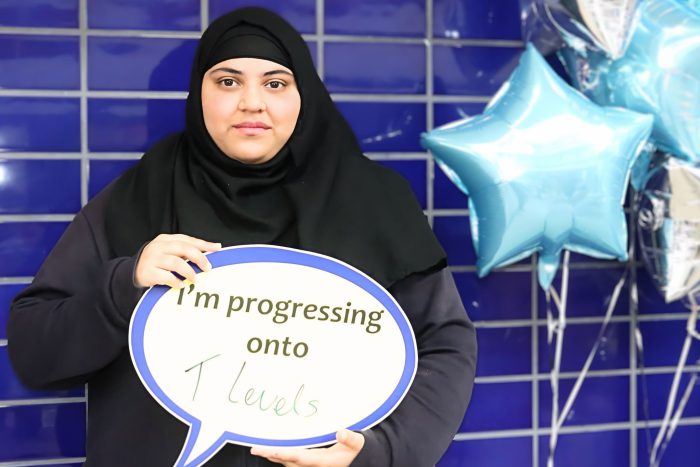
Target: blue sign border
{"x": 272, "y": 254}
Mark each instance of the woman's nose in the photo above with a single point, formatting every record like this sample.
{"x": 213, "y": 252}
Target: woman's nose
{"x": 251, "y": 100}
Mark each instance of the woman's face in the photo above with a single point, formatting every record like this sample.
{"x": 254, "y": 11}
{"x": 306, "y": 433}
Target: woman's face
{"x": 250, "y": 107}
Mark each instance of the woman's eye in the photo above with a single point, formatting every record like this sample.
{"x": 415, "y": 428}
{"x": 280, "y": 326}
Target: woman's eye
{"x": 228, "y": 82}
{"x": 276, "y": 84}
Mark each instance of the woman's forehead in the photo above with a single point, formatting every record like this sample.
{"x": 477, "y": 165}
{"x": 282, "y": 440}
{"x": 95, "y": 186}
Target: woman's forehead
{"x": 250, "y": 66}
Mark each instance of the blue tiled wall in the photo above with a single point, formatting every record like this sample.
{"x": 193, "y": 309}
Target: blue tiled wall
{"x": 87, "y": 85}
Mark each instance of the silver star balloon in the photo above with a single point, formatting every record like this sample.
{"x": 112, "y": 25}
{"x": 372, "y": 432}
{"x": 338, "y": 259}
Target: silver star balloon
{"x": 669, "y": 227}
{"x": 584, "y": 24}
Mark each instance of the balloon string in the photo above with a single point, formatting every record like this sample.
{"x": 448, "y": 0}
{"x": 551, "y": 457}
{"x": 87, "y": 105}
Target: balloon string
{"x": 594, "y": 350}
{"x": 558, "y": 330}
{"x": 639, "y": 343}
{"x": 572, "y": 40}
{"x": 558, "y": 418}
{"x": 671, "y": 418}
{"x": 645, "y": 389}
{"x": 565, "y": 34}
{"x": 634, "y": 311}
{"x": 551, "y": 329}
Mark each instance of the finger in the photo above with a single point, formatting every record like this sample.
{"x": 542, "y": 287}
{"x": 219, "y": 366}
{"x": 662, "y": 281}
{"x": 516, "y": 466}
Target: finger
{"x": 201, "y": 245}
{"x": 277, "y": 455}
{"x": 352, "y": 440}
{"x": 176, "y": 265}
{"x": 199, "y": 259}
{"x": 258, "y": 451}
{"x": 181, "y": 250}
{"x": 202, "y": 262}
{"x": 189, "y": 252}
{"x": 277, "y": 461}
{"x": 163, "y": 277}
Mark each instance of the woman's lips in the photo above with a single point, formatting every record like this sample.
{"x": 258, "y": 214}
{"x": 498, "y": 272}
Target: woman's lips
{"x": 251, "y": 128}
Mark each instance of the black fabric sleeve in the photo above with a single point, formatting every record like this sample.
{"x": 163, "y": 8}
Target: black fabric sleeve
{"x": 419, "y": 431}
{"x": 73, "y": 319}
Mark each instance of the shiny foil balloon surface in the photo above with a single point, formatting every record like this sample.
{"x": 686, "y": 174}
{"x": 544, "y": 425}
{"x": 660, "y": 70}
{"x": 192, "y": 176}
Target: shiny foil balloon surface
{"x": 659, "y": 74}
{"x": 582, "y": 24}
{"x": 669, "y": 227}
{"x": 545, "y": 169}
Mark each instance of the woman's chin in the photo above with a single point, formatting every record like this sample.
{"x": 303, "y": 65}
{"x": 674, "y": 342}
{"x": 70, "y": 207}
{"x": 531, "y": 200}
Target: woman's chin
{"x": 250, "y": 155}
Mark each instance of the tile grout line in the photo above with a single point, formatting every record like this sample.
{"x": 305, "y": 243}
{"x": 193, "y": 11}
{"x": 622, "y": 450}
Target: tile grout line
{"x": 320, "y": 40}
{"x": 84, "y": 162}
{"x": 619, "y": 372}
{"x": 449, "y": 212}
{"x": 633, "y": 397}
{"x": 429, "y": 114}
{"x": 36, "y": 217}
{"x": 20, "y": 30}
{"x": 46, "y": 401}
{"x": 572, "y": 429}
{"x": 15, "y": 280}
{"x": 632, "y": 346}
{"x": 193, "y": 34}
{"x": 182, "y": 95}
{"x": 84, "y": 147}
{"x": 534, "y": 361}
{"x": 405, "y": 156}
{"x": 47, "y": 462}
{"x": 40, "y": 155}
{"x": 203, "y": 16}
{"x": 384, "y": 156}
{"x": 523, "y": 267}
{"x": 582, "y": 320}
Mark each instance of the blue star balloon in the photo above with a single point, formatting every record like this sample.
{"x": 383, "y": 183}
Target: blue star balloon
{"x": 545, "y": 169}
{"x": 659, "y": 74}
{"x": 694, "y": 4}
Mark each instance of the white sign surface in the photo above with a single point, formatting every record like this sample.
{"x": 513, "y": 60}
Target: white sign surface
{"x": 272, "y": 347}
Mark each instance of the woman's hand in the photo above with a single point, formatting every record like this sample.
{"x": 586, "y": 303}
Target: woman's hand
{"x": 339, "y": 455}
{"x": 167, "y": 254}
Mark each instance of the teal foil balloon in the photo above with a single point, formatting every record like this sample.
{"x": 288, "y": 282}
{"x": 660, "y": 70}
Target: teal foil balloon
{"x": 545, "y": 169}
{"x": 641, "y": 167}
{"x": 659, "y": 74}
{"x": 695, "y": 4}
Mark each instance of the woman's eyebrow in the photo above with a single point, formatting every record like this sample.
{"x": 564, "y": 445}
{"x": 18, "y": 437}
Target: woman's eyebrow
{"x": 277, "y": 72}
{"x": 238, "y": 72}
{"x": 228, "y": 70}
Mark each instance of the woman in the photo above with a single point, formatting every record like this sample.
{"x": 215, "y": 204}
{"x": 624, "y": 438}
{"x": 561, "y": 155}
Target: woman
{"x": 265, "y": 158}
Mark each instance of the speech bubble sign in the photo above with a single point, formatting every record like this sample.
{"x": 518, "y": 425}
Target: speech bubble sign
{"x": 272, "y": 347}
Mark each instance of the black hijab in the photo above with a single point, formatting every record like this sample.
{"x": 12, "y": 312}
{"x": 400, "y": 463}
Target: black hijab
{"x": 319, "y": 193}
